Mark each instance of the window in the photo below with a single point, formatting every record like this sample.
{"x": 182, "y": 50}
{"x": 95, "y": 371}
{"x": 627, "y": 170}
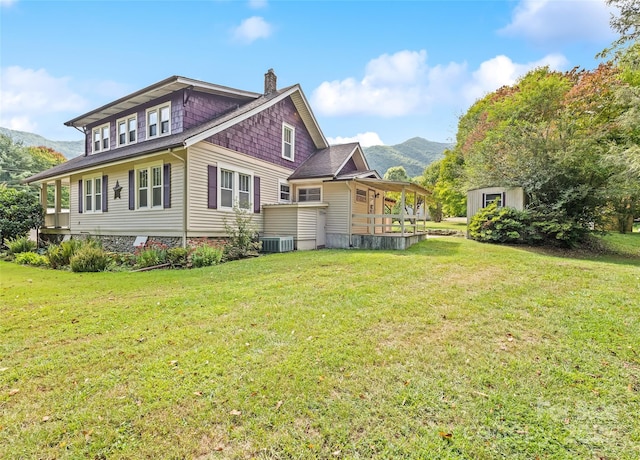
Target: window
{"x": 149, "y": 187}
{"x": 244, "y": 191}
{"x": 93, "y": 194}
{"x": 127, "y": 130}
{"x": 488, "y": 198}
{"x": 288, "y": 142}
{"x": 226, "y": 189}
{"x": 100, "y": 138}
{"x": 309, "y": 194}
{"x": 235, "y": 189}
{"x": 159, "y": 120}
{"x": 361, "y": 195}
{"x": 285, "y": 192}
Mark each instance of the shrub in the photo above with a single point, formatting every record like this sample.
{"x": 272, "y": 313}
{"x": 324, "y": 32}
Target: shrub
{"x": 20, "y": 244}
{"x": 31, "y": 258}
{"x": 508, "y": 225}
{"x": 242, "y": 237}
{"x": 499, "y": 225}
{"x": 20, "y": 211}
{"x": 89, "y": 258}
{"x": 60, "y": 254}
{"x": 178, "y": 257}
{"x": 151, "y": 254}
{"x": 206, "y": 253}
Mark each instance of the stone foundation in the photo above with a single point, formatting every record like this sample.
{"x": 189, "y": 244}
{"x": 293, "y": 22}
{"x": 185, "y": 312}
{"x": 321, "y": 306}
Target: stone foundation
{"x": 115, "y": 243}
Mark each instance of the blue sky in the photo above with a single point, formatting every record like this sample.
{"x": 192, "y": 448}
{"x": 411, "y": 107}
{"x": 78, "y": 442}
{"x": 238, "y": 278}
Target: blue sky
{"x": 374, "y": 71}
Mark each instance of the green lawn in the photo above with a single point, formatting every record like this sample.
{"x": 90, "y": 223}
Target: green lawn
{"x": 452, "y": 349}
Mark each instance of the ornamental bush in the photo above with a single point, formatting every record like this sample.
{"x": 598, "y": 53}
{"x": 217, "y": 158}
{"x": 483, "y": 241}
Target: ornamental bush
{"x": 205, "y": 253}
{"x": 20, "y": 244}
{"x": 60, "y": 254}
{"x": 500, "y": 225}
{"x": 31, "y": 258}
{"x": 89, "y": 258}
{"x": 151, "y": 254}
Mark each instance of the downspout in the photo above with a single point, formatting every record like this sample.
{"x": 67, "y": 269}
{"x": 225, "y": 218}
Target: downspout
{"x": 184, "y": 199}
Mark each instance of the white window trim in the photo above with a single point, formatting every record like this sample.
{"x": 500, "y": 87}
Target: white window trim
{"x": 92, "y": 179}
{"x": 149, "y": 167}
{"x": 126, "y": 120}
{"x": 100, "y": 129}
{"x": 235, "y": 199}
{"x": 502, "y": 199}
{"x": 306, "y": 188}
{"x": 286, "y": 126}
{"x": 157, "y": 108}
{"x": 280, "y": 184}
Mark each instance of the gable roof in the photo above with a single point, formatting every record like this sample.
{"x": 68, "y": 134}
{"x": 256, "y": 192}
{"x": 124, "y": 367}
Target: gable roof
{"x": 191, "y": 136}
{"x": 327, "y": 162}
{"x": 159, "y": 89}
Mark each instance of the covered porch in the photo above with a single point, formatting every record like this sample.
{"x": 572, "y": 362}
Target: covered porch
{"x": 54, "y": 197}
{"x": 396, "y": 217}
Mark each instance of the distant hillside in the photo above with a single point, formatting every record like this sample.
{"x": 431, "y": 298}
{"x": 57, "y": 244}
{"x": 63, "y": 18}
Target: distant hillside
{"x": 414, "y": 154}
{"x": 69, "y": 149}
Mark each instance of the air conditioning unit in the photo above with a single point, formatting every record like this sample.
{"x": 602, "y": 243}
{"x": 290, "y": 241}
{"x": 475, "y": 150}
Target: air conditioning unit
{"x": 277, "y": 243}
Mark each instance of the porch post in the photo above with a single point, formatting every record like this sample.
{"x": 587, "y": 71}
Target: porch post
{"x": 58, "y": 203}
{"x": 402, "y": 210}
{"x": 43, "y": 199}
{"x": 415, "y": 212}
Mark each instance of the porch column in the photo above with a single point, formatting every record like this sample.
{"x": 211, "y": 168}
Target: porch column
{"x": 402, "y": 210}
{"x": 415, "y": 212}
{"x": 58, "y": 203}
{"x": 43, "y": 199}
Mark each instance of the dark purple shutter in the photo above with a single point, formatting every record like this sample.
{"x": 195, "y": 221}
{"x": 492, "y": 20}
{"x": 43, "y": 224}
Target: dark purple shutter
{"x": 80, "y": 196}
{"x": 132, "y": 190}
{"x": 212, "y": 187}
{"x": 105, "y": 191}
{"x": 256, "y": 194}
{"x": 166, "y": 186}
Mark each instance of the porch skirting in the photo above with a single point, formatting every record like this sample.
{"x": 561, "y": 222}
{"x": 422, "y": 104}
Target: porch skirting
{"x": 389, "y": 241}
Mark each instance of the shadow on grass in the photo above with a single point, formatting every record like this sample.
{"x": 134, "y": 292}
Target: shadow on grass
{"x": 609, "y": 257}
{"x": 433, "y": 247}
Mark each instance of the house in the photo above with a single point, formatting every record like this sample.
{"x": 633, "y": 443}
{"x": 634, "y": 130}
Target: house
{"x": 172, "y": 161}
{"x": 478, "y": 198}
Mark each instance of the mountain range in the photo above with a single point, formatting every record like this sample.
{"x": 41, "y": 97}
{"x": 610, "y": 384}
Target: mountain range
{"x": 414, "y": 154}
{"x": 69, "y": 149}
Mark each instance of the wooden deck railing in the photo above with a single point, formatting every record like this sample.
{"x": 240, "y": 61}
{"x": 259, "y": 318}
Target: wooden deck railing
{"x": 389, "y": 223}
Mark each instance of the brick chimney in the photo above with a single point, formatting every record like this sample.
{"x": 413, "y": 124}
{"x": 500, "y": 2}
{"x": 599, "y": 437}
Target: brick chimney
{"x": 270, "y": 82}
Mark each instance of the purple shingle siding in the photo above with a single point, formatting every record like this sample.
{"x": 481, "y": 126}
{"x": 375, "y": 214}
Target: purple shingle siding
{"x": 202, "y": 107}
{"x": 349, "y": 167}
{"x": 260, "y": 136}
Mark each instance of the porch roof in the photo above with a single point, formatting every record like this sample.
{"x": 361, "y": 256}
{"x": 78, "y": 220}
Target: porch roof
{"x": 391, "y": 186}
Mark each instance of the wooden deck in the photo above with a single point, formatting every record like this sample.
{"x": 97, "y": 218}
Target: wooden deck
{"x": 396, "y": 241}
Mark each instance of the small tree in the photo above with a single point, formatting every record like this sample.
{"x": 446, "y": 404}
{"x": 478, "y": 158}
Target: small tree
{"x": 242, "y": 237}
{"x": 20, "y": 211}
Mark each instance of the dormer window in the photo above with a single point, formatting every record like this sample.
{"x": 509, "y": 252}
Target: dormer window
{"x": 127, "y": 130}
{"x": 159, "y": 121}
{"x": 288, "y": 142}
{"x": 101, "y": 138}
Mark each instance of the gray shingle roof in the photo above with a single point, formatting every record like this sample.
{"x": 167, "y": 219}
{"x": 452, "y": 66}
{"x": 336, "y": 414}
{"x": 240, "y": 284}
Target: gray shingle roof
{"x": 326, "y": 162}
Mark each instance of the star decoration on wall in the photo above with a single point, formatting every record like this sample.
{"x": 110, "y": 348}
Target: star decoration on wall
{"x": 116, "y": 191}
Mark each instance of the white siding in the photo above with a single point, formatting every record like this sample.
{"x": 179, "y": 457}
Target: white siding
{"x": 338, "y": 195}
{"x": 205, "y": 221}
{"x": 280, "y": 221}
{"x": 119, "y": 219}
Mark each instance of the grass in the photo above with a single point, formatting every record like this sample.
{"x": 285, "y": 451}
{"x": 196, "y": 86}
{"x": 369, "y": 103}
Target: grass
{"x": 624, "y": 244}
{"x": 452, "y": 349}
{"x": 449, "y": 224}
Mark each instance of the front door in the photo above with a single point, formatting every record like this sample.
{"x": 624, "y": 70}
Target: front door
{"x": 321, "y": 230}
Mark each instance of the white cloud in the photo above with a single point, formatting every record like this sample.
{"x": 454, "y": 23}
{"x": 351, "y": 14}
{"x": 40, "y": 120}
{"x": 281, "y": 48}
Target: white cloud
{"x": 252, "y": 29}
{"x": 28, "y": 95}
{"x": 403, "y": 84}
{"x": 501, "y": 70}
{"x": 366, "y": 139}
{"x": 544, "y": 21}
{"x": 257, "y": 4}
